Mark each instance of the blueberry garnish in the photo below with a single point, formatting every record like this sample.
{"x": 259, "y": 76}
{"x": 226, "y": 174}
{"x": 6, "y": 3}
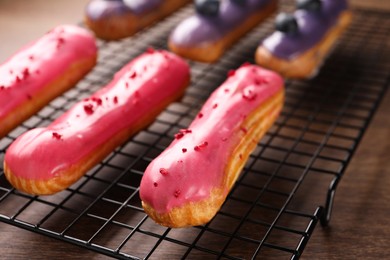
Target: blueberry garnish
{"x": 309, "y": 5}
{"x": 286, "y": 23}
{"x": 207, "y": 7}
{"x": 239, "y": 2}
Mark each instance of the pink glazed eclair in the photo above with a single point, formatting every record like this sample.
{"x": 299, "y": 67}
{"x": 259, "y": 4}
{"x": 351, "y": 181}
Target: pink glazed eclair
{"x": 189, "y": 181}
{"x": 47, "y": 160}
{"x": 43, "y": 70}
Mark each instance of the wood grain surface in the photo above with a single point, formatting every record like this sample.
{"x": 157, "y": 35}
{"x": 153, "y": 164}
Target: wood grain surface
{"x": 359, "y": 228}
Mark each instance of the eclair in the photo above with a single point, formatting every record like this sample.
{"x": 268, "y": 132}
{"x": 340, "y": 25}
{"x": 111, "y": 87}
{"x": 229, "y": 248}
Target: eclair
{"x": 43, "y": 70}
{"x": 189, "y": 181}
{"x": 47, "y": 160}
{"x": 217, "y": 25}
{"x": 117, "y": 19}
{"x": 304, "y": 39}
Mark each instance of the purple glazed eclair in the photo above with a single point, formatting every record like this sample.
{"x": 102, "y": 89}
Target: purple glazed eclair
{"x": 217, "y": 25}
{"x": 116, "y": 19}
{"x": 303, "y": 39}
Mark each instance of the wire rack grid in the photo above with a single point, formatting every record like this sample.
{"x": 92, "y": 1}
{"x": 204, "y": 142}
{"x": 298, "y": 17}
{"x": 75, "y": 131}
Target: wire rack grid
{"x": 270, "y": 212}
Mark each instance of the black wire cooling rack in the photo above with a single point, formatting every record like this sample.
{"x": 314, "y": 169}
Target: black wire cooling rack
{"x": 270, "y": 211}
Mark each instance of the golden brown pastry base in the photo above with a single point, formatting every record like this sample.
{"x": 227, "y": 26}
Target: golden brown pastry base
{"x": 307, "y": 64}
{"x": 75, "y": 72}
{"x": 212, "y": 51}
{"x": 201, "y": 212}
{"x": 67, "y": 177}
{"x": 121, "y": 26}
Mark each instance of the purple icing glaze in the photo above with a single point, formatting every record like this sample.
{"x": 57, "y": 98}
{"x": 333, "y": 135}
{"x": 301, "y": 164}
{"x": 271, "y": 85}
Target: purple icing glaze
{"x": 199, "y": 29}
{"x": 98, "y": 9}
{"x": 312, "y": 28}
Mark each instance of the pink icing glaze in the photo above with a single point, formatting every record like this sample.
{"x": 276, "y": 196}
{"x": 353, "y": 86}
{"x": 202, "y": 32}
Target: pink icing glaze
{"x": 24, "y": 74}
{"x": 194, "y": 162}
{"x": 142, "y": 84}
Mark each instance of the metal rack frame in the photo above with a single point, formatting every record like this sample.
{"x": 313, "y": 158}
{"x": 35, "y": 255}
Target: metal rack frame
{"x": 268, "y": 212}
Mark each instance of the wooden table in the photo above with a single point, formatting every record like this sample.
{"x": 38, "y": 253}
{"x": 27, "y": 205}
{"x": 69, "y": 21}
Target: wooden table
{"x": 360, "y": 222}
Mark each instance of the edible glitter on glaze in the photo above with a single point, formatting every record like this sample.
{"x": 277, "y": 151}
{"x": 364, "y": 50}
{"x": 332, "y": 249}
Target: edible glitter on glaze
{"x": 312, "y": 25}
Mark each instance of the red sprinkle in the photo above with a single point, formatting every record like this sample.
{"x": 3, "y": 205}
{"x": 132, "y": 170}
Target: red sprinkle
{"x": 26, "y": 72}
{"x": 244, "y": 130}
{"x": 240, "y": 156}
{"x": 259, "y": 81}
{"x": 18, "y": 79}
{"x": 200, "y": 115}
{"x": 60, "y": 41}
{"x": 88, "y": 108}
{"x": 226, "y": 90}
{"x": 215, "y": 106}
{"x": 150, "y": 50}
{"x": 231, "y": 73}
{"x": 133, "y": 75}
{"x": 200, "y": 146}
{"x": 115, "y": 99}
{"x": 204, "y": 144}
{"x": 184, "y": 150}
{"x": 155, "y": 184}
{"x": 182, "y": 132}
{"x": 179, "y": 135}
{"x": 185, "y": 131}
{"x": 57, "y": 135}
{"x": 177, "y": 193}
{"x": 127, "y": 84}
{"x": 163, "y": 171}
{"x": 2, "y": 87}
{"x": 29, "y": 96}
{"x": 97, "y": 100}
